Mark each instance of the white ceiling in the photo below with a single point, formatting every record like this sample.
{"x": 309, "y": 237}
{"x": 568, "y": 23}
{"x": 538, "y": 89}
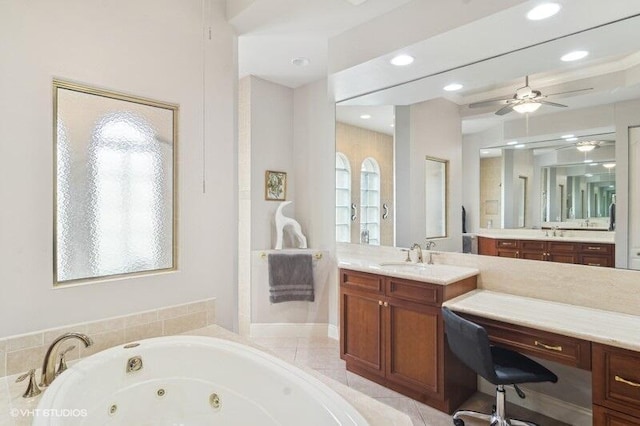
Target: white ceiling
{"x": 273, "y": 32}
{"x": 485, "y": 54}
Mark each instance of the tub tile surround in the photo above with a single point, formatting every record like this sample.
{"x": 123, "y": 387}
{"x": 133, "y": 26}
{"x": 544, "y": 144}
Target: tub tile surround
{"x": 21, "y": 353}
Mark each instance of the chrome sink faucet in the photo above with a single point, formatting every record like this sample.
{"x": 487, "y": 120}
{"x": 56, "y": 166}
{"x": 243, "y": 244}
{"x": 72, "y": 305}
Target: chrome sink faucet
{"x": 417, "y": 247}
{"x": 49, "y": 363}
{"x": 429, "y": 245}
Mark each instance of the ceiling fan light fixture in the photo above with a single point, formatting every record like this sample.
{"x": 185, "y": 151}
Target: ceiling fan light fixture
{"x": 526, "y": 107}
{"x": 587, "y": 146}
{"x": 543, "y": 11}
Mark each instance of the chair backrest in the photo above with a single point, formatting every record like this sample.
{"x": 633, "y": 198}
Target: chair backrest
{"x": 470, "y": 343}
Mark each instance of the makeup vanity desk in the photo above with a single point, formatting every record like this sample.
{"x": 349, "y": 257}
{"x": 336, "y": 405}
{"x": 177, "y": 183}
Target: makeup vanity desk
{"x": 604, "y": 342}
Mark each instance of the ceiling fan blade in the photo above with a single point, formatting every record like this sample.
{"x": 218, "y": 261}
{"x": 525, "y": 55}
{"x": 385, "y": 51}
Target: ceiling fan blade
{"x": 490, "y": 102}
{"x": 543, "y": 102}
{"x": 505, "y": 110}
{"x": 569, "y": 92}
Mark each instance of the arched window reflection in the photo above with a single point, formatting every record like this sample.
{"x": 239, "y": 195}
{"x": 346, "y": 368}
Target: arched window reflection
{"x": 370, "y": 202}
{"x": 343, "y": 198}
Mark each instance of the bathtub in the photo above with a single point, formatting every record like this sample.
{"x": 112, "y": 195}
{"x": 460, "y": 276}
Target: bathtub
{"x": 190, "y": 380}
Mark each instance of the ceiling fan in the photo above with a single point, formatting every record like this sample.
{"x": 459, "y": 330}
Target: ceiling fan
{"x": 524, "y": 100}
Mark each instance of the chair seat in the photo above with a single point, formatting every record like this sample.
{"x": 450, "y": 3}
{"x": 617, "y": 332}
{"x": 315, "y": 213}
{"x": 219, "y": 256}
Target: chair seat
{"x": 513, "y": 368}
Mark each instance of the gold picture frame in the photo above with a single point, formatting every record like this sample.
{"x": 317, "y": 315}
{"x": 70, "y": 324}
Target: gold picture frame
{"x": 275, "y": 185}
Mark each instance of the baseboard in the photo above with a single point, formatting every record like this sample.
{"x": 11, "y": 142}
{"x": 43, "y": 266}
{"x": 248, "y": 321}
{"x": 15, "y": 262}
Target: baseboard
{"x": 549, "y": 406}
{"x": 333, "y": 331}
{"x": 292, "y": 330}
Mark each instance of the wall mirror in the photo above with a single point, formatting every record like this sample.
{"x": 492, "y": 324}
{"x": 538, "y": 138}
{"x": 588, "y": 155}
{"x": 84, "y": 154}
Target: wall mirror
{"x": 572, "y": 189}
{"x": 114, "y": 183}
{"x": 600, "y": 96}
{"x": 435, "y": 185}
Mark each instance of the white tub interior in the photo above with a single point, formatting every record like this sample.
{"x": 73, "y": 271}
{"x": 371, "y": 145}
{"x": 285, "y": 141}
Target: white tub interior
{"x": 180, "y": 378}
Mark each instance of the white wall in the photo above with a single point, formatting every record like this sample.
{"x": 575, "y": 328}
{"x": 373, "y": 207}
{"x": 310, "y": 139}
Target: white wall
{"x": 290, "y": 131}
{"x": 271, "y": 149}
{"x": 148, "y": 48}
{"x": 435, "y": 132}
{"x": 314, "y": 158}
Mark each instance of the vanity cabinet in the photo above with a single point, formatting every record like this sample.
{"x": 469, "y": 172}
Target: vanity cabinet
{"x": 593, "y": 254}
{"x": 392, "y": 333}
{"x": 616, "y": 386}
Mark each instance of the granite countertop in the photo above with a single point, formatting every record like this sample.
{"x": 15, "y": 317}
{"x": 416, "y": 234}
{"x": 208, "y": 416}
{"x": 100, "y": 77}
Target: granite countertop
{"x": 433, "y": 274}
{"x": 595, "y": 325}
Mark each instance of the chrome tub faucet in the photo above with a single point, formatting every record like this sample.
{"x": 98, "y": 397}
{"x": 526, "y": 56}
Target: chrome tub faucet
{"x": 49, "y": 363}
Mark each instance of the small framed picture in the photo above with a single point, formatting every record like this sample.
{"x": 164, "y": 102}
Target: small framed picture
{"x": 275, "y": 186}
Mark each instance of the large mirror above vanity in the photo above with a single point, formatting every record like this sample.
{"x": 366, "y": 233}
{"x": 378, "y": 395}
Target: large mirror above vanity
{"x": 562, "y": 171}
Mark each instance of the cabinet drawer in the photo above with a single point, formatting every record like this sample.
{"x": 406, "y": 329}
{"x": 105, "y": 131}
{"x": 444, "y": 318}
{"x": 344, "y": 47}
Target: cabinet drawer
{"x": 555, "y": 347}
{"x": 361, "y": 281}
{"x": 532, "y": 245}
{"x": 595, "y": 260}
{"x": 596, "y": 248}
{"x": 507, "y": 244}
{"x": 616, "y": 379}
{"x": 606, "y": 417}
{"x": 556, "y": 247}
{"x": 413, "y": 291}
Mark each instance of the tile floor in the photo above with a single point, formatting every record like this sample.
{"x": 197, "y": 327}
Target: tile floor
{"x": 322, "y": 355}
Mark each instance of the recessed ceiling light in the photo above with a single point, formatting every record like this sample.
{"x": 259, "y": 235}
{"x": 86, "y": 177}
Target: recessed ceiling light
{"x": 356, "y": 2}
{"x": 567, "y": 136}
{"x": 543, "y": 11}
{"x": 571, "y": 139}
{"x": 594, "y": 164}
{"x": 365, "y": 116}
{"x": 301, "y": 61}
{"x": 574, "y": 56}
{"x": 453, "y": 87}
{"x": 588, "y": 161}
{"x": 402, "y": 60}
{"x": 609, "y": 165}
{"x": 588, "y": 175}
{"x": 512, "y": 143}
{"x": 519, "y": 146}
{"x": 484, "y": 152}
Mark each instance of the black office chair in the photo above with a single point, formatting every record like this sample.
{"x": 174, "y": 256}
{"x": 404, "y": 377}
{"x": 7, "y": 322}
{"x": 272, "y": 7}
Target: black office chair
{"x": 500, "y": 366}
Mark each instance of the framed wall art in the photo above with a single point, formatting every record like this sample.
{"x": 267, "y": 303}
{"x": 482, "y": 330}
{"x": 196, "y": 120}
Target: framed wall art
{"x": 275, "y": 186}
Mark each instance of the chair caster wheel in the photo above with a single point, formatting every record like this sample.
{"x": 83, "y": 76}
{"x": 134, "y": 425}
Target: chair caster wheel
{"x": 458, "y": 422}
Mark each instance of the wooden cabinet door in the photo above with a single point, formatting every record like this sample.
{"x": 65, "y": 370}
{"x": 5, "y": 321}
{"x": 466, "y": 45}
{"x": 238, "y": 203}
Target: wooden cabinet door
{"x": 562, "y": 252}
{"x": 413, "y": 345}
{"x": 362, "y": 329}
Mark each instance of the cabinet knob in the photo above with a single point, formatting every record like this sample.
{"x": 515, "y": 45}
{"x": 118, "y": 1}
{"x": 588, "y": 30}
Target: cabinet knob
{"x": 386, "y": 304}
{"x": 380, "y": 302}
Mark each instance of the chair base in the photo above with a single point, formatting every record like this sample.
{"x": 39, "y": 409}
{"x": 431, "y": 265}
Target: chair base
{"x": 497, "y": 418}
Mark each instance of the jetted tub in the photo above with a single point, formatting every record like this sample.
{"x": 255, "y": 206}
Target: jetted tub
{"x": 190, "y": 380}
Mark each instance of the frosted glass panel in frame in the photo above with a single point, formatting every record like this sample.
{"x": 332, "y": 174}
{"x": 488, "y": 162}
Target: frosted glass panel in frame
{"x": 115, "y": 168}
{"x": 436, "y": 197}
